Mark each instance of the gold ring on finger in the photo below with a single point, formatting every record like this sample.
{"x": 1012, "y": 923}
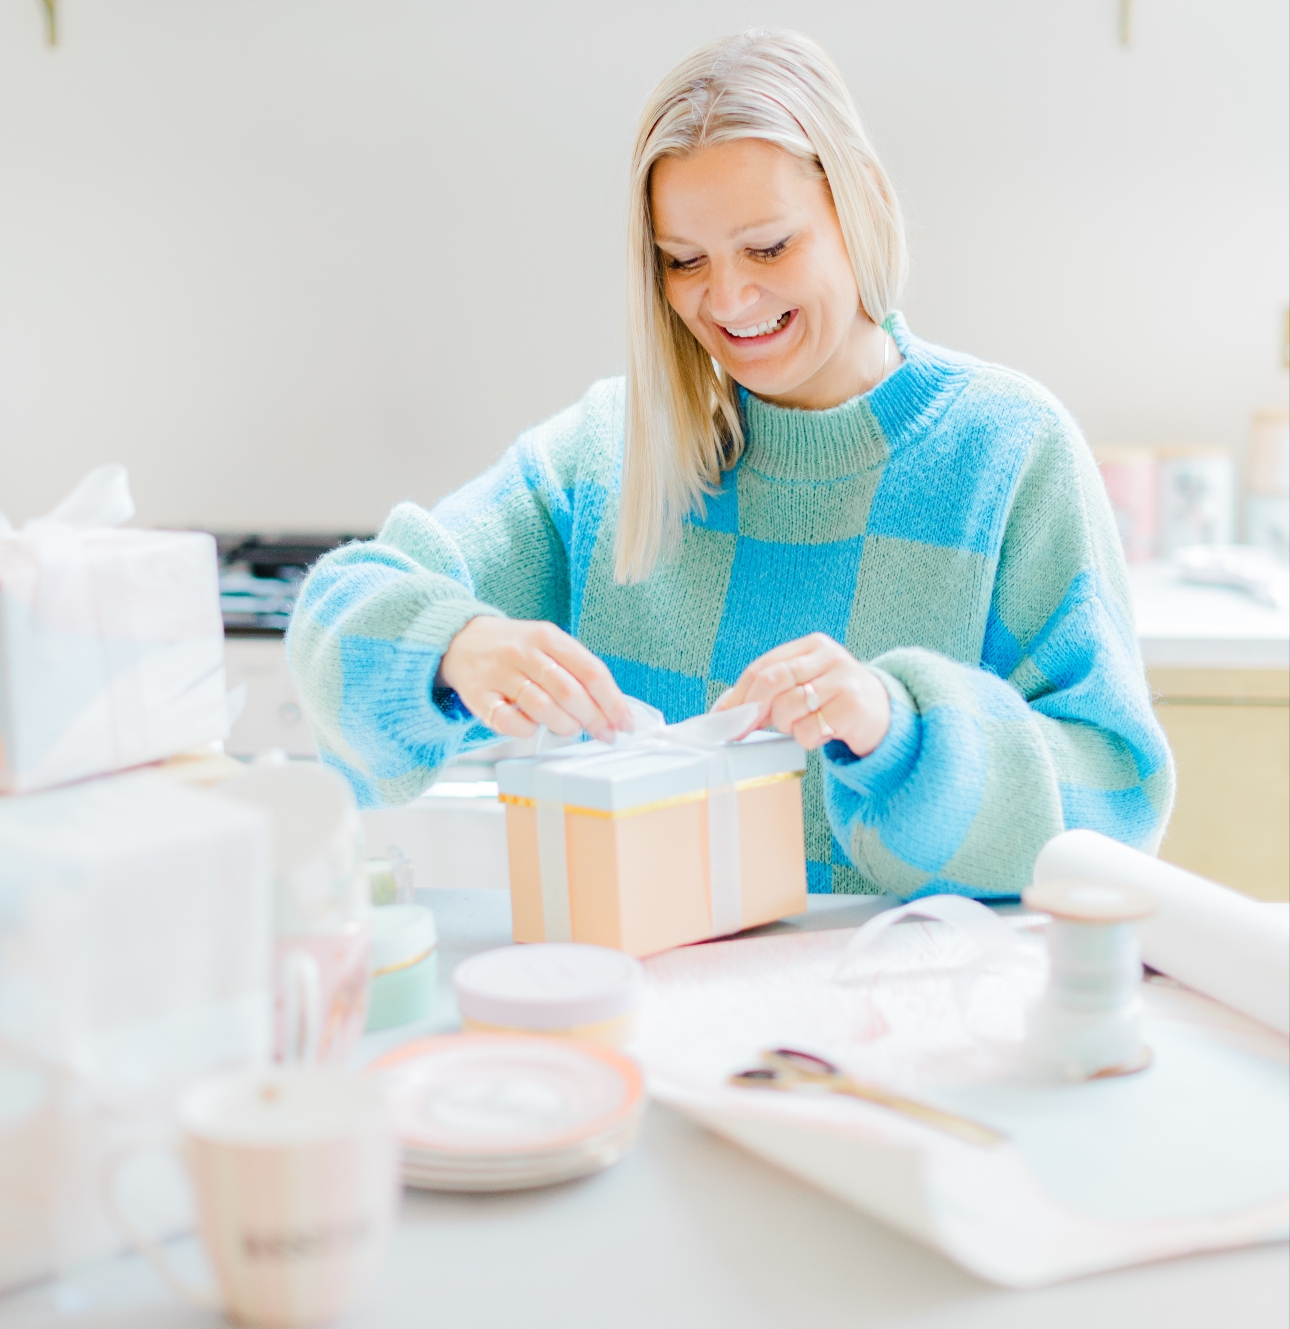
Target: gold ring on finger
{"x": 811, "y": 698}
{"x": 826, "y": 730}
{"x": 492, "y": 711}
{"x": 528, "y": 683}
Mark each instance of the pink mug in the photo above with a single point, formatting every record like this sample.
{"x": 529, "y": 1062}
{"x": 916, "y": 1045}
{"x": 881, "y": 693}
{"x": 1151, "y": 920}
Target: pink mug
{"x": 320, "y": 1002}
{"x": 296, "y": 1175}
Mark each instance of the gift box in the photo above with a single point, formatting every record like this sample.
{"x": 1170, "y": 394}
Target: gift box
{"x": 672, "y": 836}
{"x": 135, "y": 953}
{"x": 111, "y": 641}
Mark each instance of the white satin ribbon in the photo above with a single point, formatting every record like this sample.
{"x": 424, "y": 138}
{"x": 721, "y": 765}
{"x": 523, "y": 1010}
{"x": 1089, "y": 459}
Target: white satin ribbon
{"x": 981, "y": 928}
{"x": 707, "y": 735}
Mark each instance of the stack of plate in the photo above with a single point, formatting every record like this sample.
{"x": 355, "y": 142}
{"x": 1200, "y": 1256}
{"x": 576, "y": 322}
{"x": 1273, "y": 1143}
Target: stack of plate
{"x": 502, "y": 1112}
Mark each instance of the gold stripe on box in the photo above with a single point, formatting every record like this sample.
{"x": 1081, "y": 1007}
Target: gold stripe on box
{"x": 694, "y": 796}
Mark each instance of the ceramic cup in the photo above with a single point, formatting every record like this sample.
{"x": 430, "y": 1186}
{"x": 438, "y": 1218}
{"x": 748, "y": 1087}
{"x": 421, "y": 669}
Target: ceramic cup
{"x": 322, "y": 913}
{"x": 296, "y": 1175}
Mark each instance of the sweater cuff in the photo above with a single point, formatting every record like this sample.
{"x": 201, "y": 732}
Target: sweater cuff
{"x": 877, "y": 776}
{"x": 435, "y": 627}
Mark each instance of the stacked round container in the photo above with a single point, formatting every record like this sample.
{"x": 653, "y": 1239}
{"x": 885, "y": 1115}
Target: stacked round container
{"x": 563, "y": 988}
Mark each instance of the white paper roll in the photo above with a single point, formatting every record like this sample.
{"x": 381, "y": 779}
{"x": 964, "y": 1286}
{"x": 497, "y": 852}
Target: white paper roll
{"x": 1226, "y": 945}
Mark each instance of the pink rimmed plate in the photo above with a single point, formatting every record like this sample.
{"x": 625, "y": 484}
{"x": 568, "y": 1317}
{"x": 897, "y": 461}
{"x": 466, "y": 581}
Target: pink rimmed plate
{"x": 491, "y": 1097}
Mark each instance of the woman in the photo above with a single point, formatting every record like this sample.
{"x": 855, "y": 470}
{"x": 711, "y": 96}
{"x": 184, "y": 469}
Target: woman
{"x": 903, "y": 555}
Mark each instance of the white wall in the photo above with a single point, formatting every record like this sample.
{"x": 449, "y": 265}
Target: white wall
{"x": 293, "y": 260}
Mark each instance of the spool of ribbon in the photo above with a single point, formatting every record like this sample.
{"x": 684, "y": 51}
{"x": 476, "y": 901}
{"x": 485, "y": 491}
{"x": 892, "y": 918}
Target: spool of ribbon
{"x": 1088, "y": 1020}
{"x": 704, "y": 735}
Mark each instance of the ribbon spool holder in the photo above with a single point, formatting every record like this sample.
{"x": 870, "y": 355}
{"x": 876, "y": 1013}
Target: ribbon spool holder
{"x": 1088, "y": 1022}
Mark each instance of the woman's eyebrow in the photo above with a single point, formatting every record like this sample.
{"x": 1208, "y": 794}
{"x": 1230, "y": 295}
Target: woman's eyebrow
{"x": 763, "y": 224}
{"x": 759, "y": 225}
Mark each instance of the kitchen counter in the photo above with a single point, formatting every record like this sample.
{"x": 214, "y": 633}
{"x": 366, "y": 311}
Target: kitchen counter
{"x": 1185, "y": 626}
{"x": 686, "y": 1232}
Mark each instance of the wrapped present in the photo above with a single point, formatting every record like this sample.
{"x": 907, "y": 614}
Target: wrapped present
{"x": 670, "y": 835}
{"x": 135, "y": 955}
{"x": 111, "y": 641}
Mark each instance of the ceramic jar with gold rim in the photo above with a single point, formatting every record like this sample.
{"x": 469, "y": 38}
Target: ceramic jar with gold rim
{"x": 404, "y": 965}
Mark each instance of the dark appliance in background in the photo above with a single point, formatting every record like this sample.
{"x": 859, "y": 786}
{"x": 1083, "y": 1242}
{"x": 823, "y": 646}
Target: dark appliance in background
{"x": 260, "y": 575}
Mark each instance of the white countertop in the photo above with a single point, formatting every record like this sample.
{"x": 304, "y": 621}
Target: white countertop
{"x": 686, "y": 1232}
{"x": 1185, "y": 626}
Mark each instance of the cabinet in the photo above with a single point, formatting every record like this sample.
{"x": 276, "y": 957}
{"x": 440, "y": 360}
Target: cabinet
{"x": 1230, "y": 734}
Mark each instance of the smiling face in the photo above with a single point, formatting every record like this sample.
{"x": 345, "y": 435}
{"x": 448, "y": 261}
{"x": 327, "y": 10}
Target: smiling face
{"x": 757, "y": 269}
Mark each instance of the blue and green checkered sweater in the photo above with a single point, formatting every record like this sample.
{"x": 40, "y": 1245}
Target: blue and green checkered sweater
{"x": 948, "y": 527}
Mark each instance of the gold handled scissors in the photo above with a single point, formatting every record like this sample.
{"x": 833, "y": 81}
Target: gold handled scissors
{"x": 790, "y": 1070}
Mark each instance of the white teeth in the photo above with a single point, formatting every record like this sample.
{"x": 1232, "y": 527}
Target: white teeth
{"x": 761, "y": 329}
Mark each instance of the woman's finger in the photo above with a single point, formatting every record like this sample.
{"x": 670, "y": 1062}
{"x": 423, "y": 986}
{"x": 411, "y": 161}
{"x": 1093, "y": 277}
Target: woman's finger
{"x": 503, "y": 718}
{"x": 591, "y": 673}
{"x": 785, "y": 675}
{"x": 812, "y": 732}
{"x": 794, "y": 704}
{"x": 535, "y": 703}
{"x": 779, "y": 663}
{"x": 570, "y": 695}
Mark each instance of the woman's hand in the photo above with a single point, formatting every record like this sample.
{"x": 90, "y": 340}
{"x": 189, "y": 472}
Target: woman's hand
{"x": 515, "y": 675}
{"x": 815, "y": 690}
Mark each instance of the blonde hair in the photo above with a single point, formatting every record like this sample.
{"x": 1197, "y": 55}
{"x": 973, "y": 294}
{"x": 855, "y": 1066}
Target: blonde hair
{"x": 683, "y": 425}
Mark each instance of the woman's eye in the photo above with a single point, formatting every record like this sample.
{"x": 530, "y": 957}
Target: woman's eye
{"x": 773, "y": 252}
{"x": 683, "y": 264}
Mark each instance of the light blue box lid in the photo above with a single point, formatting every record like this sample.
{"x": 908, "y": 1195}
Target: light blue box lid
{"x": 643, "y": 774}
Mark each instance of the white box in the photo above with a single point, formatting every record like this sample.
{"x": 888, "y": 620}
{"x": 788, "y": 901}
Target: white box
{"x": 135, "y": 955}
{"x": 111, "y": 651}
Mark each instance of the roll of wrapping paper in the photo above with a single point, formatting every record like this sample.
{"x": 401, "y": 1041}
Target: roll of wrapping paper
{"x": 1226, "y": 945}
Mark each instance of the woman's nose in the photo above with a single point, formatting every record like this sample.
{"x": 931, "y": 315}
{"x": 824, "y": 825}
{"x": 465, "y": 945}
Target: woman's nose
{"x": 730, "y": 292}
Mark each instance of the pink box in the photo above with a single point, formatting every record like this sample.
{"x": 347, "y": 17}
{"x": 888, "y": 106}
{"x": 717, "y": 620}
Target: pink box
{"x": 1130, "y": 478}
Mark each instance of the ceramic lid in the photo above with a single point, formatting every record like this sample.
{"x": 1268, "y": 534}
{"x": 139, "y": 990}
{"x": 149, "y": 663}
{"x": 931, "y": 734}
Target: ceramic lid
{"x": 548, "y": 985}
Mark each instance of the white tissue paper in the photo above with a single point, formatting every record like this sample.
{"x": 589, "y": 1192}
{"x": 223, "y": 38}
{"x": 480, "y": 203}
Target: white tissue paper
{"x": 111, "y": 641}
{"x": 135, "y": 936}
{"x": 1190, "y": 1155}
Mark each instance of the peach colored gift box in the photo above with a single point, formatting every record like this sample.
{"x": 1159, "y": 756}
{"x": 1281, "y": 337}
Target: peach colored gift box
{"x": 670, "y": 839}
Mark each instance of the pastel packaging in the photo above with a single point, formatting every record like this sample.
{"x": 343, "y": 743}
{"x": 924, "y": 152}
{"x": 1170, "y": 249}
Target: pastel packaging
{"x": 135, "y": 935}
{"x": 560, "y": 989}
{"x": 1130, "y": 478}
{"x": 111, "y": 642}
{"x": 403, "y": 964}
{"x": 670, "y": 839}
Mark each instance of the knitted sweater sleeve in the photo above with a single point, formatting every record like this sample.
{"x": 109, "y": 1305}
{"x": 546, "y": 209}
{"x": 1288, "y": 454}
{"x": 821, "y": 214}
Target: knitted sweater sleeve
{"x": 1054, "y": 730}
{"x": 373, "y": 619}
